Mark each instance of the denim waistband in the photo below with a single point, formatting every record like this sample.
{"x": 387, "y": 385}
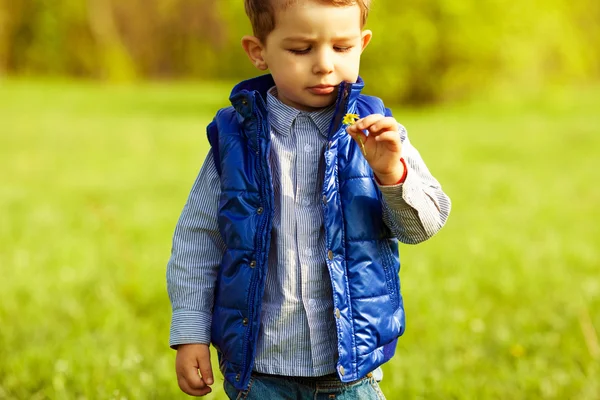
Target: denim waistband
{"x": 324, "y": 381}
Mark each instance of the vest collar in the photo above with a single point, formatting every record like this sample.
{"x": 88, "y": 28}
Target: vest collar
{"x": 245, "y": 100}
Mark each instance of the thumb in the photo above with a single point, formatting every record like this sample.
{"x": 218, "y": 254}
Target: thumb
{"x": 352, "y": 130}
{"x": 356, "y": 133}
{"x": 205, "y": 367}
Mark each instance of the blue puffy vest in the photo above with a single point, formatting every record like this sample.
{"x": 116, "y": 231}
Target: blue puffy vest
{"x": 362, "y": 255}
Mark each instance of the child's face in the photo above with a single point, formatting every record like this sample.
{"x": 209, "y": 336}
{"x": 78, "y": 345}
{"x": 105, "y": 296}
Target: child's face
{"x": 313, "y": 48}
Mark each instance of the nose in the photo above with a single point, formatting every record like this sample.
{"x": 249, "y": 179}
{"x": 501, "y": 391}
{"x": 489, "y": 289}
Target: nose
{"x": 323, "y": 63}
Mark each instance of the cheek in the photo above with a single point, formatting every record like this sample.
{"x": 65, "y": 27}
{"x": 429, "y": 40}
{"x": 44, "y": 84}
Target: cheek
{"x": 290, "y": 68}
{"x": 348, "y": 69}
{"x": 353, "y": 62}
{"x": 286, "y": 77}
{"x": 282, "y": 63}
{"x": 294, "y": 64}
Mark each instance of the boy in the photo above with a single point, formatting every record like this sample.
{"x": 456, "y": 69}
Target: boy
{"x": 286, "y": 254}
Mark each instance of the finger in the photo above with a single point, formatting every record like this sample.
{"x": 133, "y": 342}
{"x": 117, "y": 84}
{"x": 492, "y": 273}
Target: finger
{"x": 357, "y": 136}
{"x": 192, "y": 378}
{"x": 353, "y": 130}
{"x": 384, "y": 124}
{"x": 186, "y": 388}
{"x": 366, "y": 122}
{"x": 206, "y": 368}
{"x": 389, "y": 138}
{"x": 386, "y": 136}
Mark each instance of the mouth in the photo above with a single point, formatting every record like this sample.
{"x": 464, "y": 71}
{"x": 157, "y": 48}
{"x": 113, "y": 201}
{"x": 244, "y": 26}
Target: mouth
{"x": 322, "y": 89}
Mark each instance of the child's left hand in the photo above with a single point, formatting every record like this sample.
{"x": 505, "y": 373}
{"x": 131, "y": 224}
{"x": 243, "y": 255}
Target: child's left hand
{"x": 382, "y": 147}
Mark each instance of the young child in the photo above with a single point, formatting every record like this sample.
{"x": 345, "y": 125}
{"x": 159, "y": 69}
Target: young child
{"x": 285, "y": 257}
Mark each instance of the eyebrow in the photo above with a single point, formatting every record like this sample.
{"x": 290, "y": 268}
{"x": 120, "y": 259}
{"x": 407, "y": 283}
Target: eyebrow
{"x": 310, "y": 39}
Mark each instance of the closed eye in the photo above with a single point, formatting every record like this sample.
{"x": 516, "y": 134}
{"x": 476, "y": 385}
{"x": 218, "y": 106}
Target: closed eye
{"x": 338, "y": 49}
{"x": 299, "y": 51}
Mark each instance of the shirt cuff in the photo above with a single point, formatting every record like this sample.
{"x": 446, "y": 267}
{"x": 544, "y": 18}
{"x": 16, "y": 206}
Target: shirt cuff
{"x": 189, "y": 326}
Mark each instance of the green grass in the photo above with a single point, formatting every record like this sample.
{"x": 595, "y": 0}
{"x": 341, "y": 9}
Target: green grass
{"x": 503, "y": 304}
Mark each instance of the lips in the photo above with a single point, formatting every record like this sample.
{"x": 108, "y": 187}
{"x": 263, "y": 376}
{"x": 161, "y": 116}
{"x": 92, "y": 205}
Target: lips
{"x": 322, "y": 89}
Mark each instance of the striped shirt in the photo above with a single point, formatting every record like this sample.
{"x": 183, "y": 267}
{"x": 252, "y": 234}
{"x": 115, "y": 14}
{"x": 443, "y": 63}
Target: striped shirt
{"x": 297, "y": 333}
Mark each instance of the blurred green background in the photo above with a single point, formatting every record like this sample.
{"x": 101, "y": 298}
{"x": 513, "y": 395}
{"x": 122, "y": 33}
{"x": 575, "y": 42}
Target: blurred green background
{"x": 424, "y": 50}
{"x": 103, "y": 108}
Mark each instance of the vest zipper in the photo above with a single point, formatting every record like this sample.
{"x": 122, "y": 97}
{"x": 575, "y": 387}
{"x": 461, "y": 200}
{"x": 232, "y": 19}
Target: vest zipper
{"x": 341, "y": 109}
{"x": 253, "y": 282}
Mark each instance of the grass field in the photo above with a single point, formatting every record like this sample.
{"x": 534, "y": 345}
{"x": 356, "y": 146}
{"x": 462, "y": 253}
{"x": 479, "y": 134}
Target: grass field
{"x": 503, "y": 304}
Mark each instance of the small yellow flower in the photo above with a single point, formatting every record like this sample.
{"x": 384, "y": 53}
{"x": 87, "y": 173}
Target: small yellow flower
{"x": 350, "y": 119}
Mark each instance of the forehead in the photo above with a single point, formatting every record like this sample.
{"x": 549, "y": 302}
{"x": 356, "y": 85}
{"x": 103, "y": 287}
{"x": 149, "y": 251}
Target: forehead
{"x": 312, "y": 17}
{"x": 279, "y": 5}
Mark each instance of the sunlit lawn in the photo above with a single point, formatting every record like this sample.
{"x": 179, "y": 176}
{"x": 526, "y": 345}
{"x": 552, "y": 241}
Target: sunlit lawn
{"x": 503, "y": 304}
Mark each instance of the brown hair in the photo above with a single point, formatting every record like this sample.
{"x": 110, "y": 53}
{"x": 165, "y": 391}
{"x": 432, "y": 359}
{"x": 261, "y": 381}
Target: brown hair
{"x": 262, "y": 12}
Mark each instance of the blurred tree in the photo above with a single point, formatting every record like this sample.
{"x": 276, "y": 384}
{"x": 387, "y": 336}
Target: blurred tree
{"x": 115, "y": 59}
{"x": 9, "y": 17}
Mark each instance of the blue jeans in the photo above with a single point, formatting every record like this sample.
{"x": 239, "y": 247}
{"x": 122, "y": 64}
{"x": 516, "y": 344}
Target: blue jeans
{"x": 329, "y": 387}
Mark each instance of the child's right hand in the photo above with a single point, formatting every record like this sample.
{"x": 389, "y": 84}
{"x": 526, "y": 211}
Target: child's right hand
{"x": 191, "y": 358}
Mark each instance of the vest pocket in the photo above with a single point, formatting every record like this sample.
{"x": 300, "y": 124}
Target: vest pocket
{"x": 391, "y": 266}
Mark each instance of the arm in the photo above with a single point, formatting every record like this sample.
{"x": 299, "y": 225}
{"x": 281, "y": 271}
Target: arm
{"x": 191, "y": 274}
{"x": 416, "y": 208}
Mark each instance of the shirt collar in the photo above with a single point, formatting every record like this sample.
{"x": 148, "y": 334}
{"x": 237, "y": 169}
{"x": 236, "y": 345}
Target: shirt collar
{"x": 282, "y": 116}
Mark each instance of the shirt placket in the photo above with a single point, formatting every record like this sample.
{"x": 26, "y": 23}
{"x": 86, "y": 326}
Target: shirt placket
{"x": 316, "y": 289}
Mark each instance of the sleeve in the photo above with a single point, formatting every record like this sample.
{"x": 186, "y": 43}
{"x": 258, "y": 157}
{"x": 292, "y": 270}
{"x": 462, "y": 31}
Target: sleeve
{"x": 418, "y": 208}
{"x": 196, "y": 255}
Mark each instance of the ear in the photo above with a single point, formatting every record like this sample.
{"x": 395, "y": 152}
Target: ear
{"x": 366, "y": 37}
{"x": 254, "y": 49}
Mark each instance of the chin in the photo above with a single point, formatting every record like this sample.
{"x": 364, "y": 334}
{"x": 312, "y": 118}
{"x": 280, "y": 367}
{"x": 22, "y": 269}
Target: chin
{"x": 322, "y": 102}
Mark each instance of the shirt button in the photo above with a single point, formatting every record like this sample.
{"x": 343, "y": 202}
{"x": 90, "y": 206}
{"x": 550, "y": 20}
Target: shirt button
{"x": 252, "y": 263}
{"x": 308, "y": 148}
{"x": 308, "y": 251}
{"x": 342, "y": 371}
{"x": 306, "y": 201}
{"x": 312, "y": 303}
{"x": 259, "y": 210}
{"x": 330, "y": 255}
